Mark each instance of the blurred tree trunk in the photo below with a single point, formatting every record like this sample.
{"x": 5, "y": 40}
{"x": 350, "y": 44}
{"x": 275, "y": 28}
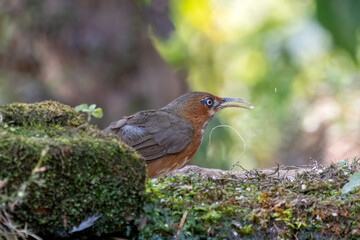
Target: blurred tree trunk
{"x": 86, "y": 52}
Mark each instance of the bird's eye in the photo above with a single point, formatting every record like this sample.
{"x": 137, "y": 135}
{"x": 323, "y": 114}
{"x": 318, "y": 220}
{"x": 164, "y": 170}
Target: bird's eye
{"x": 207, "y": 102}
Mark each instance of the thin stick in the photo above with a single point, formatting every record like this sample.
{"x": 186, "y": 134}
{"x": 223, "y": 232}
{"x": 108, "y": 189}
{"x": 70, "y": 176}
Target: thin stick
{"x": 182, "y": 221}
{"x": 242, "y": 139}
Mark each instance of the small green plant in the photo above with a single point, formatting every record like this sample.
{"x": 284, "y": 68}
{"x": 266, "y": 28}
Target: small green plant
{"x": 90, "y": 110}
{"x": 354, "y": 181}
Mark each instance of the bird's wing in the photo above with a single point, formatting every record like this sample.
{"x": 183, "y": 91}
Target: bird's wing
{"x": 153, "y": 134}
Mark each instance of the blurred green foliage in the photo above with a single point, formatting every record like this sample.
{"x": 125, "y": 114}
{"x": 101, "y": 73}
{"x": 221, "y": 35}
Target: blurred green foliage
{"x": 294, "y": 60}
{"x": 342, "y": 19}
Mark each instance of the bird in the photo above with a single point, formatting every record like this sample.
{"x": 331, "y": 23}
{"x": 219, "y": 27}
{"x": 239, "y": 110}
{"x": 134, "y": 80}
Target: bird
{"x": 167, "y": 138}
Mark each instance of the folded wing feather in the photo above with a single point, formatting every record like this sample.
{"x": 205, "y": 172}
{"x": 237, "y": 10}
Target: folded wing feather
{"x": 153, "y": 134}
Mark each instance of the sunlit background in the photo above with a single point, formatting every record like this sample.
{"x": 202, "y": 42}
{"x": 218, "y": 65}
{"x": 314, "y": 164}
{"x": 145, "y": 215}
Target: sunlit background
{"x": 297, "y": 61}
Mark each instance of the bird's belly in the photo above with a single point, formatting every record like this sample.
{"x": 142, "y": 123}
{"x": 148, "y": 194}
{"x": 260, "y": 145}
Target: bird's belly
{"x": 166, "y": 164}
{"x": 172, "y": 161}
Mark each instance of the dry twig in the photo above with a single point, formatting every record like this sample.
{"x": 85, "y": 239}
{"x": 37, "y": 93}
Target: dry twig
{"x": 182, "y": 221}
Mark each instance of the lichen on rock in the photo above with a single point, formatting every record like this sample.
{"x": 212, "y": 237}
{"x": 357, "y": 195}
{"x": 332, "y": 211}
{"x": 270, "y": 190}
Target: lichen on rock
{"x": 84, "y": 173}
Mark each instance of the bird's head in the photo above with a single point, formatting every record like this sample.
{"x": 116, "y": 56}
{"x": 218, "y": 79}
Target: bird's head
{"x": 199, "y": 107}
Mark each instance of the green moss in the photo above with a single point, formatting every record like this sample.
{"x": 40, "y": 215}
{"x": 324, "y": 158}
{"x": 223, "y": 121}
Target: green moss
{"x": 84, "y": 172}
{"x": 43, "y": 113}
{"x": 263, "y": 207}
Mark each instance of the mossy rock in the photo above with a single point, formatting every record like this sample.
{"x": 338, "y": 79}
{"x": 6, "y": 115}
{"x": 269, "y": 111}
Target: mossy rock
{"x": 81, "y": 172}
{"x": 252, "y": 205}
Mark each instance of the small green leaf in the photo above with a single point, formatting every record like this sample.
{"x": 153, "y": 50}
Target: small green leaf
{"x": 81, "y": 107}
{"x": 98, "y": 113}
{"x": 92, "y": 107}
{"x": 342, "y": 163}
{"x": 354, "y": 181}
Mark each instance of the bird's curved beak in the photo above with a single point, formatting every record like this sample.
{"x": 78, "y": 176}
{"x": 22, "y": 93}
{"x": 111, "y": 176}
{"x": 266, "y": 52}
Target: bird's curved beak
{"x": 234, "y": 102}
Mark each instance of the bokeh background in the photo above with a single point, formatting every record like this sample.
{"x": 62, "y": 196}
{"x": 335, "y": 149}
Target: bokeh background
{"x": 297, "y": 61}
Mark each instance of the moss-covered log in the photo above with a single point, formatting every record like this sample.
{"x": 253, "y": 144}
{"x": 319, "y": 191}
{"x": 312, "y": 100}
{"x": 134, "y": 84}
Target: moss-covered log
{"x": 71, "y": 173}
{"x": 253, "y": 205}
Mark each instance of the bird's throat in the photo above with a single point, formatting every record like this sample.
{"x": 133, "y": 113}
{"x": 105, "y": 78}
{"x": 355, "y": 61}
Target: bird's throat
{"x": 204, "y": 127}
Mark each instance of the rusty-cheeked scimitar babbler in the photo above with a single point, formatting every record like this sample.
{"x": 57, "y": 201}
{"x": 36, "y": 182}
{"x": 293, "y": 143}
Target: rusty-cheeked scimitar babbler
{"x": 167, "y": 138}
